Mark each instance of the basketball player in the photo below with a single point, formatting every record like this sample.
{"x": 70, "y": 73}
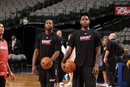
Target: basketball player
{"x": 71, "y": 58}
{"x": 60, "y": 72}
{"x": 87, "y": 46}
{"x": 4, "y": 67}
{"x": 47, "y": 45}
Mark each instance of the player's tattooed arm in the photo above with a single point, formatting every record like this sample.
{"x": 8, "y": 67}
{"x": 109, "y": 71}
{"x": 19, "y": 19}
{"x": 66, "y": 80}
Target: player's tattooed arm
{"x": 67, "y": 54}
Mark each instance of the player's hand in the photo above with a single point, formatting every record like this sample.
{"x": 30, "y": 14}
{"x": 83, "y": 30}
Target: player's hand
{"x": 47, "y": 62}
{"x": 95, "y": 70}
{"x": 10, "y": 76}
{"x": 34, "y": 70}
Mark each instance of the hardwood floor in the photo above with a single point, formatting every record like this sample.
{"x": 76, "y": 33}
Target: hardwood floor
{"x": 24, "y": 80}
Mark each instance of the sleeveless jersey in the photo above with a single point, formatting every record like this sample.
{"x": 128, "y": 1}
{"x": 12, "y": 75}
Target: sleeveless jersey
{"x": 3, "y": 58}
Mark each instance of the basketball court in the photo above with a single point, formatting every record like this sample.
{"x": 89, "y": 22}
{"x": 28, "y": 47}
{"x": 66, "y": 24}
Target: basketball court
{"x": 26, "y": 80}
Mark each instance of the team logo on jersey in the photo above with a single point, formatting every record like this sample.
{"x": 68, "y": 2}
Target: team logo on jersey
{"x": 85, "y": 38}
{"x": 46, "y": 42}
{"x": 3, "y": 47}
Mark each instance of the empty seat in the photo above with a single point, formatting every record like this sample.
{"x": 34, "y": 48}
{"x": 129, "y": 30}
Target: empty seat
{"x": 22, "y": 56}
{"x": 11, "y": 56}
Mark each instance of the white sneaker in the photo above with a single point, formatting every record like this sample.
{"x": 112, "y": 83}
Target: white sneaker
{"x": 97, "y": 84}
{"x": 105, "y": 85}
{"x": 61, "y": 84}
{"x": 69, "y": 84}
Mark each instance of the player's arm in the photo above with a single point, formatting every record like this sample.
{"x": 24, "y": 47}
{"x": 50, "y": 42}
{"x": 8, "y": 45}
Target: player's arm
{"x": 11, "y": 75}
{"x": 55, "y": 55}
{"x": 98, "y": 47}
{"x": 105, "y": 56}
{"x": 67, "y": 54}
{"x": 57, "y": 48}
{"x": 8, "y": 68}
{"x": 108, "y": 47}
{"x": 35, "y": 56}
{"x": 98, "y": 53}
{"x": 97, "y": 44}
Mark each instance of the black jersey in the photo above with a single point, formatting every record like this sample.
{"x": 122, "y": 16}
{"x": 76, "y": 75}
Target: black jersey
{"x": 85, "y": 43}
{"x": 47, "y": 45}
{"x": 112, "y": 47}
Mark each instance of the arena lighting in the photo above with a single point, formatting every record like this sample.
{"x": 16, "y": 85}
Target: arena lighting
{"x": 25, "y": 21}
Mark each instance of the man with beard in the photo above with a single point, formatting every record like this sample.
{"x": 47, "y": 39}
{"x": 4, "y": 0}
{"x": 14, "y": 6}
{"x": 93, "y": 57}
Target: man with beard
{"x": 87, "y": 46}
{"x": 47, "y": 45}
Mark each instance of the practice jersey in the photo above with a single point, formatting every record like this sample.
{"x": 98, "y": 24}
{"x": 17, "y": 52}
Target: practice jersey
{"x": 85, "y": 43}
{"x": 47, "y": 45}
{"x": 3, "y": 58}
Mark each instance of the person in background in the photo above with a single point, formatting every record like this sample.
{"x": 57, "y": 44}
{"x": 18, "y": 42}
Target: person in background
{"x": 5, "y": 70}
{"x": 63, "y": 42}
{"x": 110, "y": 58}
{"x": 105, "y": 40}
{"x": 60, "y": 72}
{"x": 126, "y": 56}
{"x": 14, "y": 45}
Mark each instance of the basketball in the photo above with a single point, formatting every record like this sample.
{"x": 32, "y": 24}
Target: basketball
{"x": 128, "y": 64}
{"x": 70, "y": 66}
{"x": 48, "y": 66}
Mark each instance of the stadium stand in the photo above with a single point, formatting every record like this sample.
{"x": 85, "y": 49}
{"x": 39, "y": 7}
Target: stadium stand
{"x": 124, "y": 37}
{"x": 71, "y": 7}
{"x": 11, "y": 7}
{"x": 65, "y": 14}
{"x": 59, "y": 10}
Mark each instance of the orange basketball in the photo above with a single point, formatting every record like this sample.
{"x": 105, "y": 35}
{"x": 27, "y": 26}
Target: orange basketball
{"x": 48, "y": 66}
{"x": 128, "y": 64}
{"x": 70, "y": 66}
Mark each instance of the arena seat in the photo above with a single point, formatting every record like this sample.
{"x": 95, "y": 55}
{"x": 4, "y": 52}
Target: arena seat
{"x": 76, "y": 6}
{"x": 9, "y": 7}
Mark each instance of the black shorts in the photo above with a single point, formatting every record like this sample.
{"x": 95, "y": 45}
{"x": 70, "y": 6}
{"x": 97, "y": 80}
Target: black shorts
{"x": 60, "y": 73}
{"x": 2, "y": 81}
{"x": 110, "y": 68}
{"x": 46, "y": 77}
{"x": 83, "y": 77}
